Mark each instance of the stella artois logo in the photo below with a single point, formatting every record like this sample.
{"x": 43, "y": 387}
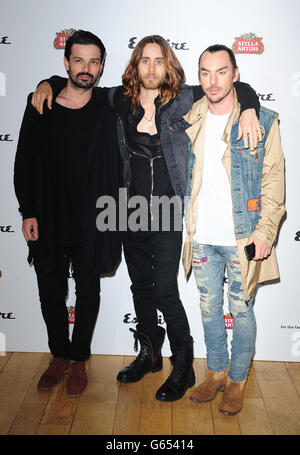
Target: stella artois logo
{"x": 228, "y": 321}
{"x": 71, "y": 311}
{"x": 61, "y": 38}
{"x": 248, "y": 43}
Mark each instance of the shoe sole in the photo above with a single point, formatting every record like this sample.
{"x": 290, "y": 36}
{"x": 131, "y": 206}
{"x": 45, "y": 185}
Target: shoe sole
{"x": 197, "y": 400}
{"x": 75, "y": 395}
{"x": 191, "y": 384}
{"x": 128, "y": 381}
{"x": 46, "y": 389}
{"x": 227, "y": 413}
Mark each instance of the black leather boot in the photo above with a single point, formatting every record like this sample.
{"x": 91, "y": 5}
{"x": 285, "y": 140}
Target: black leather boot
{"x": 182, "y": 376}
{"x": 149, "y": 358}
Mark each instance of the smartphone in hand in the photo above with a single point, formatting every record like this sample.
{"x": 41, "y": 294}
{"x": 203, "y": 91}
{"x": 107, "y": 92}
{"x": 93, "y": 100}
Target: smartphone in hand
{"x": 250, "y": 251}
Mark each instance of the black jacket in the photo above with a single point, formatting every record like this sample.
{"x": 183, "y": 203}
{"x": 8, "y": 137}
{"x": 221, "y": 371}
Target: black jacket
{"x": 35, "y": 191}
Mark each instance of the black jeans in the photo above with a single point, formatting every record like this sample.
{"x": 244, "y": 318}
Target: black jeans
{"x": 53, "y": 290}
{"x": 153, "y": 260}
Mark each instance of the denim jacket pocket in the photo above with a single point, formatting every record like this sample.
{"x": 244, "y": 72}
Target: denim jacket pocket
{"x": 256, "y": 155}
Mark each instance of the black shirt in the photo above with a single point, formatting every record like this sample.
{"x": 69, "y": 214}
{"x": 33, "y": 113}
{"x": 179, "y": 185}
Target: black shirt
{"x": 71, "y": 130}
{"x": 149, "y": 173}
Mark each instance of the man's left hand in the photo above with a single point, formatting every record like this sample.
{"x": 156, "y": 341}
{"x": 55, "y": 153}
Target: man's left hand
{"x": 249, "y": 128}
{"x": 262, "y": 250}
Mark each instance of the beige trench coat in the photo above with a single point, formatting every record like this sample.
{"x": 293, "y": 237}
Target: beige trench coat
{"x": 272, "y": 195}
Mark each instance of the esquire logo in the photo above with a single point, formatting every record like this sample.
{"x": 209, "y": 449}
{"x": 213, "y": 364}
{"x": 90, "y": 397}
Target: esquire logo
{"x": 7, "y": 315}
{"x": 4, "y": 40}
{"x": 6, "y": 229}
{"x": 130, "y": 319}
{"x": 5, "y": 138}
{"x": 248, "y": 43}
{"x": 174, "y": 45}
{"x": 266, "y": 96}
{"x": 61, "y": 38}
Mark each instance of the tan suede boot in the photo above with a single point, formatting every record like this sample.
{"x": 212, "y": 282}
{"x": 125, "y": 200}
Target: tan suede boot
{"x": 233, "y": 397}
{"x": 208, "y": 389}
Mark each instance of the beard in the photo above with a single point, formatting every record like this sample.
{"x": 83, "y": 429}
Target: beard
{"x": 151, "y": 84}
{"x": 75, "y": 80}
{"x": 219, "y": 98}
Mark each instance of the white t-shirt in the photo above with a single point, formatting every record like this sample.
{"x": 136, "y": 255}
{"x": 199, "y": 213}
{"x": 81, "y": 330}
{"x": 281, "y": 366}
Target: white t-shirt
{"x": 214, "y": 218}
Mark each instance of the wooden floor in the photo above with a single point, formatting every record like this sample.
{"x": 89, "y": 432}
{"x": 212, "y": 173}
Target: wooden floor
{"x": 271, "y": 407}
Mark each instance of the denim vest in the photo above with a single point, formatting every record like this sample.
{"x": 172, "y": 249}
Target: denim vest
{"x": 246, "y": 174}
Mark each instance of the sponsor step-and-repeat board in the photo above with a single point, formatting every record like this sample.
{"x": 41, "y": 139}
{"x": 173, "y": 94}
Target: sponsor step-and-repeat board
{"x": 32, "y": 41}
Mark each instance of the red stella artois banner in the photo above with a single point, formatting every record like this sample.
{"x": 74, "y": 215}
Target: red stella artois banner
{"x": 71, "y": 311}
{"x": 61, "y": 38}
{"x": 228, "y": 321}
{"x": 248, "y": 43}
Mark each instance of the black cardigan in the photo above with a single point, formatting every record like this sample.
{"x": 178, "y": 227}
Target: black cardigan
{"x": 33, "y": 180}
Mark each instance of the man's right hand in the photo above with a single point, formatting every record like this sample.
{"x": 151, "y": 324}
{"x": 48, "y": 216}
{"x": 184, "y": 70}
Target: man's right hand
{"x": 30, "y": 229}
{"x": 262, "y": 250}
{"x": 43, "y": 92}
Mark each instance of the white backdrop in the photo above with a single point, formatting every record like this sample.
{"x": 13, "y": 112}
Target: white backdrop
{"x": 27, "y": 55}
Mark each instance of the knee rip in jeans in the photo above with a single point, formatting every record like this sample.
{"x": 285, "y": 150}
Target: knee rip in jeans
{"x": 203, "y": 289}
{"x": 235, "y": 287}
{"x": 235, "y": 291}
{"x": 241, "y": 310}
{"x": 240, "y": 315}
{"x": 208, "y": 310}
{"x": 204, "y": 303}
{"x": 206, "y": 318}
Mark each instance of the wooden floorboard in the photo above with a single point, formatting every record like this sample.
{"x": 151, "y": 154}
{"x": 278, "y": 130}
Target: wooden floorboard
{"x": 271, "y": 405}
{"x": 96, "y": 409}
{"x": 280, "y": 396}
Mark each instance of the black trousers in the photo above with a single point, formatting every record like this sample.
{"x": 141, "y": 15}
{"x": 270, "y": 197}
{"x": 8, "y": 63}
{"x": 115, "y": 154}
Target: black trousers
{"x": 153, "y": 260}
{"x": 53, "y": 291}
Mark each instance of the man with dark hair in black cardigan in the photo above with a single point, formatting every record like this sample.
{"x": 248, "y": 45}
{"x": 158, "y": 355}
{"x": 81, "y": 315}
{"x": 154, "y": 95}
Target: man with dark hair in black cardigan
{"x": 65, "y": 161}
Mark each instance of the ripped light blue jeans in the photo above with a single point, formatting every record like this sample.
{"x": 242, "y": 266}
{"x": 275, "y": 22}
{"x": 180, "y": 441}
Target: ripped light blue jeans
{"x": 209, "y": 264}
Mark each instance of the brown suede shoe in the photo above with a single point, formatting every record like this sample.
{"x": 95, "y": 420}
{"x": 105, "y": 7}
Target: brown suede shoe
{"x": 208, "y": 389}
{"x": 51, "y": 377}
{"x": 77, "y": 379}
{"x": 233, "y": 397}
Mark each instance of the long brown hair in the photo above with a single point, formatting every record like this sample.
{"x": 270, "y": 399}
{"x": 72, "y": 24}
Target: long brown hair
{"x": 174, "y": 79}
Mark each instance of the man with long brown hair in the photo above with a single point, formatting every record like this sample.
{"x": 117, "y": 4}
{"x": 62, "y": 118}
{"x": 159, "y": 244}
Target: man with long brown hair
{"x": 170, "y": 84}
{"x": 154, "y": 149}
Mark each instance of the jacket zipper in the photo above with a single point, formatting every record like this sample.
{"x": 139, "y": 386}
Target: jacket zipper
{"x": 151, "y": 168}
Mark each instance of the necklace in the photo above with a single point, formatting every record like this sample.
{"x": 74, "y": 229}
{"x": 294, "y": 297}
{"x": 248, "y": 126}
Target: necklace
{"x": 149, "y": 120}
